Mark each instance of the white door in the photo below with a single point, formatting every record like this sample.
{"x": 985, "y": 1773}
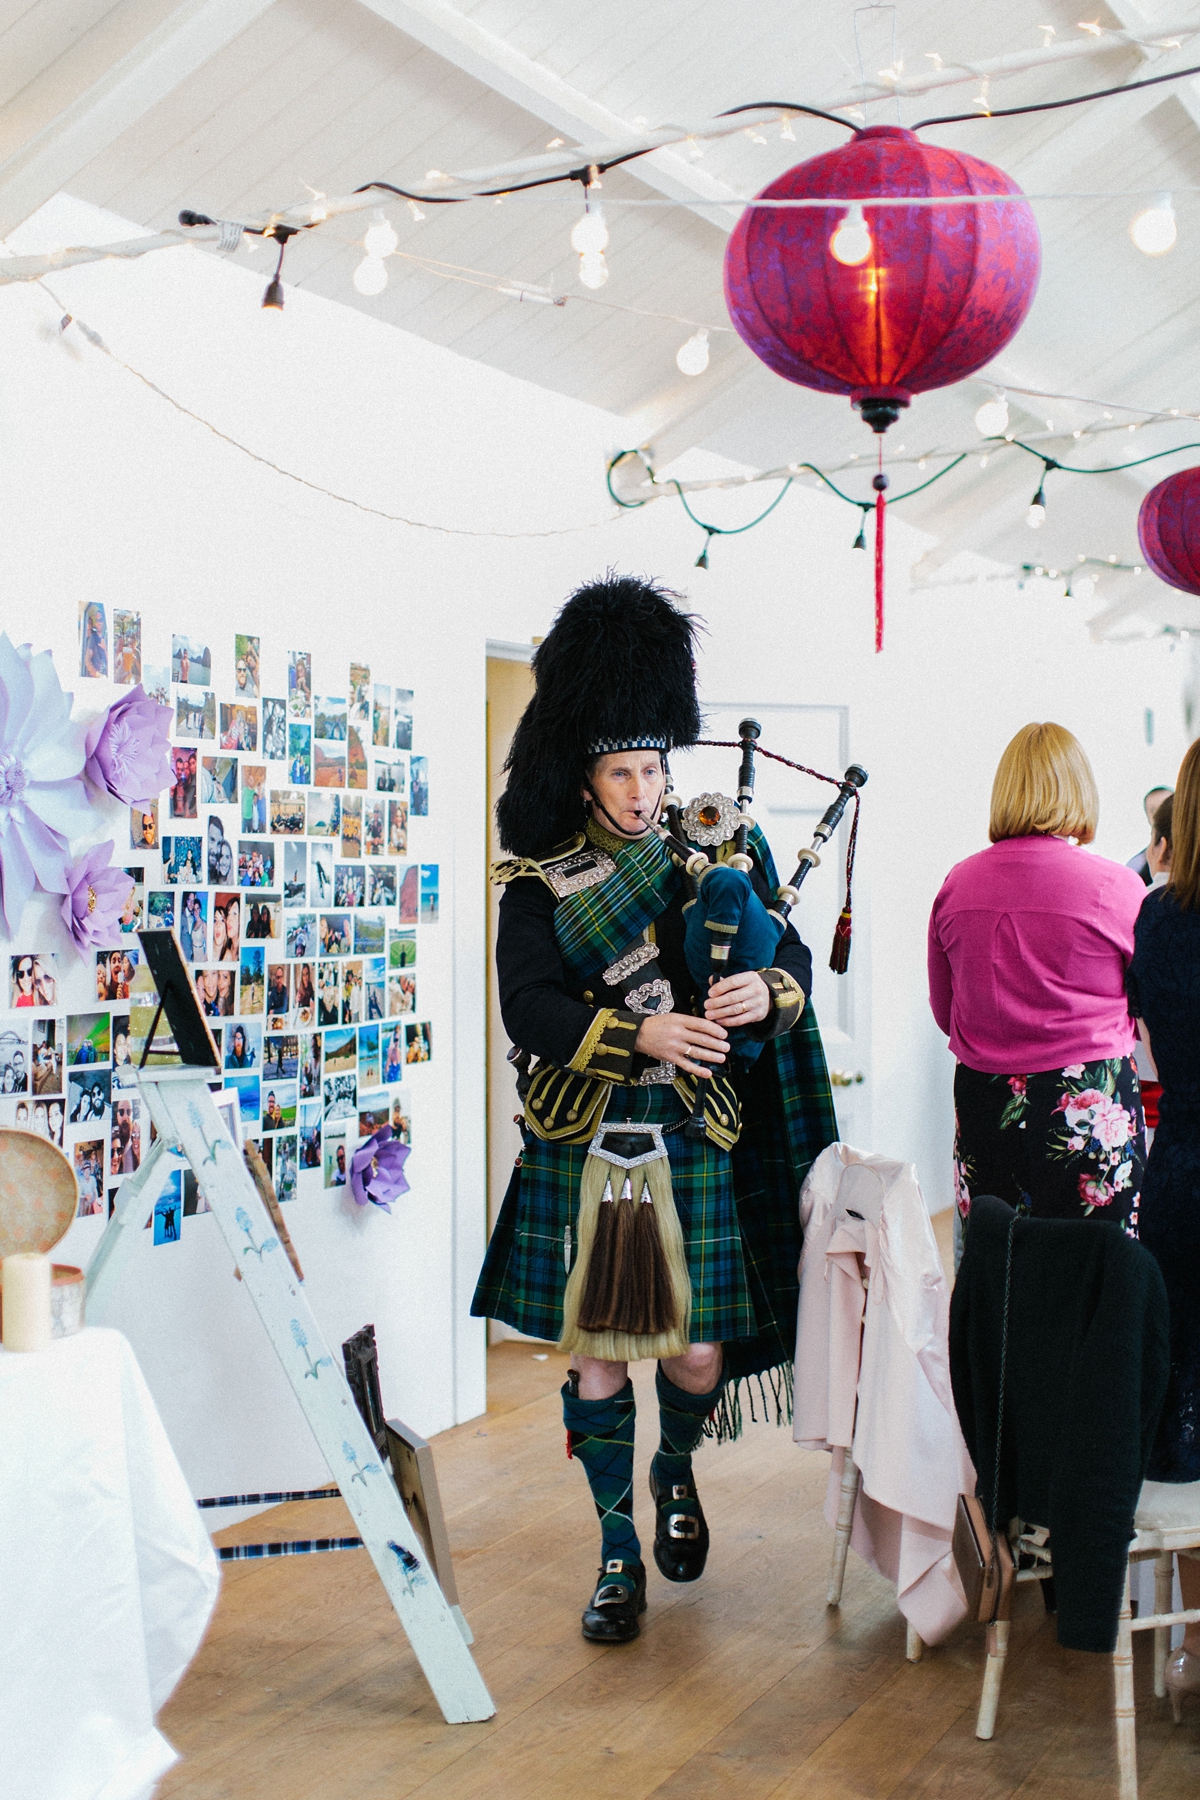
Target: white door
{"x": 787, "y": 806}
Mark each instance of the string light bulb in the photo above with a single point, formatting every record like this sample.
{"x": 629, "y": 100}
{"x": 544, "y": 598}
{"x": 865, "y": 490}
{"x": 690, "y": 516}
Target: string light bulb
{"x": 1035, "y": 518}
{"x": 1154, "y": 231}
{"x": 589, "y": 235}
{"x": 371, "y": 276}
{"x": 692, "y": 358}
{"x": 991, "y": 419}
{"x": 851, "y": 242}
{"x": 379, "y": 239}
{"x": 273, "y": 297}
{"x": 593, "y": 270}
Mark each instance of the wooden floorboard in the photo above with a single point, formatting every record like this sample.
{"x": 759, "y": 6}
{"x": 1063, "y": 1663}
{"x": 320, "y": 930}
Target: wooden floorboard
{"x": 745, "y": 1686}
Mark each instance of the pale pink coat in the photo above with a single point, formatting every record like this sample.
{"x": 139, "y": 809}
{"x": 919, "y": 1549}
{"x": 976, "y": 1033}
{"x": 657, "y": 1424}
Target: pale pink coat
{"x": 873, "y": 1375}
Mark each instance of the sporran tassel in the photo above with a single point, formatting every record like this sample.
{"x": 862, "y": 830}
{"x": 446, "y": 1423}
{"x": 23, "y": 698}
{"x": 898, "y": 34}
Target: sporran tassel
{"x": 628, "y": 1295}
{"x": 628, "y": 1282}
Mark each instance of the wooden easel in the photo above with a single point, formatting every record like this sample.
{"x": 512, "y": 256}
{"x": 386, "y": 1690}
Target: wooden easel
{"x": 181, "y": 1106}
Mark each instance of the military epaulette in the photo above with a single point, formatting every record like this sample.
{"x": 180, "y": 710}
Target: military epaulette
{"x": 513, "y": 867}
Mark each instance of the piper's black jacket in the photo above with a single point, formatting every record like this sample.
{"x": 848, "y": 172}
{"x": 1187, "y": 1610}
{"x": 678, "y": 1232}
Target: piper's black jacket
{"x": 1086, "y": 1376}
{"x": 554, "y": 1019}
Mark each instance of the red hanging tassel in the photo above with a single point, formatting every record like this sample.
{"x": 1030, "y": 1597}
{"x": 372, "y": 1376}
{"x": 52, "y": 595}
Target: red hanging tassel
{"x": 880, "y": 482}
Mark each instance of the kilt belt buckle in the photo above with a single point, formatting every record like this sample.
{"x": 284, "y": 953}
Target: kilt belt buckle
{"x": 628, "y": 1145}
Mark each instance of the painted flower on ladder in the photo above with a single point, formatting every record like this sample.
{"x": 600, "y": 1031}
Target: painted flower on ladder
{"x": 43, "y": 800}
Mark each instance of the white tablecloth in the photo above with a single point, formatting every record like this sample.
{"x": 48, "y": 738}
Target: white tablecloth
{"x": 107, "y": 1575}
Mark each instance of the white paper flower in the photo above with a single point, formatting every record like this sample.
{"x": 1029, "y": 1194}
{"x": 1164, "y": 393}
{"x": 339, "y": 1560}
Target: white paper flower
{"x": 43, "y": 801}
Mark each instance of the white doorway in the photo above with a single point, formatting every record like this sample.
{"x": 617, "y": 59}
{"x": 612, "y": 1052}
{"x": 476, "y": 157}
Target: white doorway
{"x": 787, "y": 806}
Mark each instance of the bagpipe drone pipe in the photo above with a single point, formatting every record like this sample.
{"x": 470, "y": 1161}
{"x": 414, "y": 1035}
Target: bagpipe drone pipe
{"x": 729, "y": 930}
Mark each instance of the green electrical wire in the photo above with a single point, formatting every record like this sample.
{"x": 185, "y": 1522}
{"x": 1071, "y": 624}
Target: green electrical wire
{"x": 865, "y": 506}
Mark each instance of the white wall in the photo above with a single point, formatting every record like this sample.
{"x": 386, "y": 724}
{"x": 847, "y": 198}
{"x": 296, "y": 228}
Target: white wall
{"x": 112, "y": 495}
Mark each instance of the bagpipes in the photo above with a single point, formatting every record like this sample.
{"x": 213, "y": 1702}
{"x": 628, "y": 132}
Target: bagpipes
{"x": 729, "y": 930}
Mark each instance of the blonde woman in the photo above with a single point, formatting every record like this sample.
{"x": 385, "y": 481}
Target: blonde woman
{"x": 1029, "y": 943}
{"x": 1164, "y": 988}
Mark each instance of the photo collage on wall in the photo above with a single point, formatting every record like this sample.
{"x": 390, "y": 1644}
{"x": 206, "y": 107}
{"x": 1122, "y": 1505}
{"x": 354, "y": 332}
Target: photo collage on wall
{"x": 279, "y": 856}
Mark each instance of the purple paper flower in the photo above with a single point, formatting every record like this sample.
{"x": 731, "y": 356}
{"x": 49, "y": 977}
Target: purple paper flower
{"x": 127, "y": 748}
{"x": 377, "y": 1170}
{"x": 95, "y": 899}
{"x": 43, "y": 800}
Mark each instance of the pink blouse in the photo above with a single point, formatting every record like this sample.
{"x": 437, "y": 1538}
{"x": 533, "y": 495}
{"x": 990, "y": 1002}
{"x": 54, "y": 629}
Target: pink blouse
{"x": 1028, "y": 946}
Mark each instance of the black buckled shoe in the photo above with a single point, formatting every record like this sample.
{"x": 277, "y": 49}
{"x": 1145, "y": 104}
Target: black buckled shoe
{"x": 612, "y": 1614}
{"x": 681, "y": 1532}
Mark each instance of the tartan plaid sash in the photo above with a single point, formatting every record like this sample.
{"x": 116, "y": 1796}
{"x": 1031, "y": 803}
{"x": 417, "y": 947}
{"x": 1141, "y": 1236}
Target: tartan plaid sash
{"x": 599, "y": 924}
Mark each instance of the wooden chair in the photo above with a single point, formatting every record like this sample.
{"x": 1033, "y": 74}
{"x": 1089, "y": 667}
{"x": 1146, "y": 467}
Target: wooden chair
{"x": 847, "y": 1500}
{"x": 1167, "y": 1523}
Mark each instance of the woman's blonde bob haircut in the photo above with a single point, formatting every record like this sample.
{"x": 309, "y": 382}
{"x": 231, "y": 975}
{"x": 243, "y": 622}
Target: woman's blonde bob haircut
{"x": 1184, "y": 879}
{"x": 1044, "y": 787}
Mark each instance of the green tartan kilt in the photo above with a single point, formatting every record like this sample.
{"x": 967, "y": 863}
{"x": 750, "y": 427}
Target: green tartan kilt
{"x": 739, "y": 1209}
{"x": 525, "y": 1272}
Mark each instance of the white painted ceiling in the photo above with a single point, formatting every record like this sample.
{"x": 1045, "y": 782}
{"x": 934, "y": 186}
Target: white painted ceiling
{"x": 235, "y": 107}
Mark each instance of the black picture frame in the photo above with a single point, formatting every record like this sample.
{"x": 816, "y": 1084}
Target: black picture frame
{"x": 179, "y": 1000}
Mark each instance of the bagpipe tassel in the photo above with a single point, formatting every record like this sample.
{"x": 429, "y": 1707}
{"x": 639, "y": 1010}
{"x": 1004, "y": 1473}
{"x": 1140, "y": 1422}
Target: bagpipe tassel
{"x": 839, "y": 955}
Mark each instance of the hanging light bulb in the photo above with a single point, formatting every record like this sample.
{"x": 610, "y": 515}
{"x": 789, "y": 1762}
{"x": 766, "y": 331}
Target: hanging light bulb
{"x": 416, "y": 212}
{"x": 371, "y": 275}
{"x": 991, "y": 420}
{"x": 589, "y": 235}
{"x": 1153, "y": 231}
{"x": 593, "y": 270}
{"x": 692, "y": 358}
{"x": 1035, "y": 518}
{"x": 273, "y": 298}
{"x": 380, "y": 239}
{"x": 851, "y": 242}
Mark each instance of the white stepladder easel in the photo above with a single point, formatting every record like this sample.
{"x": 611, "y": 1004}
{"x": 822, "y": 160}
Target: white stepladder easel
{"x": 184, "y": 1113}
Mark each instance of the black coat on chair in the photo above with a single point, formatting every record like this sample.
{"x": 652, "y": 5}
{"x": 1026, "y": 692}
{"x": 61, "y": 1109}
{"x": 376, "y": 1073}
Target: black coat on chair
{"x": 1086, "y": 1376}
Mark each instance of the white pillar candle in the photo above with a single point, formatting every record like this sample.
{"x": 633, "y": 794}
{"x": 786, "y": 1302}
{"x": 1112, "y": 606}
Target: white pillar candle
{"x": 26, "y": 1278}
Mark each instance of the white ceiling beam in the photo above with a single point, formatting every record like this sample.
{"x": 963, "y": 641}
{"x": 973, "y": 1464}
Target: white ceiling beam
{"x": 537, "y": 90}
{"x": 68, "y": 142}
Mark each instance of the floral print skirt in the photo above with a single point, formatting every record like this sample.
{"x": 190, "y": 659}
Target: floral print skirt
{"x": 1064, "y": 1144}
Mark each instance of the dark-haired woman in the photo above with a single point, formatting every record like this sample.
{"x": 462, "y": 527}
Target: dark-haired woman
{"x": 594, "y": 983}
{"x": 1164, "y": 989}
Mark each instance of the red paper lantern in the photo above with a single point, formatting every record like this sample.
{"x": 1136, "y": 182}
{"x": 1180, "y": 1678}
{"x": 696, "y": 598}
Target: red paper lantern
{"x": 1169, "y": 530}
{"x": 941, "y": 290}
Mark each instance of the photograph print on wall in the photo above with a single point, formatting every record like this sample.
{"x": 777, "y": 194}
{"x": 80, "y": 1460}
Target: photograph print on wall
{"x": 381, "y": 717}
{"x": 191, "y": 662}
{"x": 329, "y": 768}
{"x": 300, "y": 755}
{"x": 360, "y": 694}
{"x": 402, "y": 701}
{"x": 93, "y": 641}
{"x": 329, "y": 719}
{"x": 196, "y": 715}
{"x": 127, "y": 647}
{"x": 320, "y": 874}
{"x": 218, "y": 780}
{"x": 143, "y": 827}
{"x": 181, "y": 859}
{"x": 245, "y": 666}
{"x": 274, "y": 731}
{"x": 299, "y": 684}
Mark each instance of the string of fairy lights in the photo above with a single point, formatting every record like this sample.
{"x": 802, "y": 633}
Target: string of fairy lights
{"x": 1153, "y": 228}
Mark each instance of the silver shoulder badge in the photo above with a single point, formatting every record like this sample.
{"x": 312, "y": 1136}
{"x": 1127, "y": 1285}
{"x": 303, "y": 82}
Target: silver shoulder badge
{"x": 587, "y": 868}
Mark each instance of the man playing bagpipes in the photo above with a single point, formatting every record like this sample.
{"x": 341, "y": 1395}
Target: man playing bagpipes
{"x": 641, "y": 1221}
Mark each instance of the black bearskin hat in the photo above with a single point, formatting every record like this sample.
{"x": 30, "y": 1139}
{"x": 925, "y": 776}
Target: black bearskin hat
{"x": 616, "y": 672}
